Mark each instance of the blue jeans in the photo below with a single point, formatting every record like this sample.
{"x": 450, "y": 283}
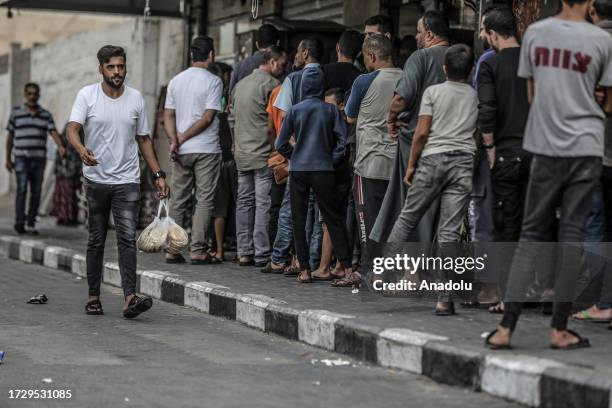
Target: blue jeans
{"x": 314, "y": 232}
{"x": 28, "y": 171}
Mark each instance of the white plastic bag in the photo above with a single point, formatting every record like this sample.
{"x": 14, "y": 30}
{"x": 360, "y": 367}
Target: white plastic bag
{"x": 163, "y": 234}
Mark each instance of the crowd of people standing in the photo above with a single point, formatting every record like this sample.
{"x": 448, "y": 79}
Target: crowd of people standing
{"x": 321, "y": 161}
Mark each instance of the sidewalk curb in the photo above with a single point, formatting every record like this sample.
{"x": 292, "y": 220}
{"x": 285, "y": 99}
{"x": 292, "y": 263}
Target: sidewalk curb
{"x": 525, "y": 379}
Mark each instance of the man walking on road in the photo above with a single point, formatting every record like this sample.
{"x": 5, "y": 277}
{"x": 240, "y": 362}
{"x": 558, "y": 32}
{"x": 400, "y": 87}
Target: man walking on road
{"x": 114, "y": 119}
{"x": 192, "y": 102}
{"x": 27, "y": 130}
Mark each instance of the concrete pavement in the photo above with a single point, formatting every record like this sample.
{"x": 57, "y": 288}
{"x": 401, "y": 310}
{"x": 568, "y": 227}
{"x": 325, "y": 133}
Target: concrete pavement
{"x": 175, "y": 357}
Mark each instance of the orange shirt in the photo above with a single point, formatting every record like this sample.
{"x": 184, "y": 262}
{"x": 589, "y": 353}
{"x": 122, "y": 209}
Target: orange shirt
{"x": 275, "y": 113}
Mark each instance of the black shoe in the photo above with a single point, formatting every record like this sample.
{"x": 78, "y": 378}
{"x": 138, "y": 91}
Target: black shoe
{"x": 20, "y": 228}
{"x": 137, "y": 306}
{"x": 261, "y": 264}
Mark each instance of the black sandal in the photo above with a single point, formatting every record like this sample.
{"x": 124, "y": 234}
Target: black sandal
{"x": 497, "y": 308}
{"x": 493, "y": 346}
{"x": 137, "y": 306}
{"x": 176, "y": 259}
{"x": 583, "y": 342}
{"x": 213, "y": 260}
{"x": 94, "y": 308}
{"x": 38, "y": 300}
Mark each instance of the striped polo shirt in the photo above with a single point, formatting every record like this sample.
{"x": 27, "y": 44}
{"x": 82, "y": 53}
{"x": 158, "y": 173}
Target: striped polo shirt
{"x": 30, "y": 131}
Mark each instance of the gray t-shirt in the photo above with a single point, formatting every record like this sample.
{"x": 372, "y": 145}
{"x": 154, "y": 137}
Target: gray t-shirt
{"x": 422, "y": 69}
{"x": 453, "y": 107}
{"x": 606, "y": 25}
{"x": 369, "y": 102}
{"x": 566, "y": 60}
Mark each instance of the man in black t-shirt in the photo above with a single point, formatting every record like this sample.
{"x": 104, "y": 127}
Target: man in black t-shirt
{"x": 341, "y": 74}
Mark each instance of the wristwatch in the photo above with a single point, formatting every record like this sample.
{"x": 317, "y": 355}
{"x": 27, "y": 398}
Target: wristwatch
{"x": 488, "y": 146}
{"x": 159, "y": 174}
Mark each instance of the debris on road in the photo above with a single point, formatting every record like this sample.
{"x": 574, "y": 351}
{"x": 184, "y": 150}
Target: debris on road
{"x": 47, "y": 380}
{"x": 38, "y": 299}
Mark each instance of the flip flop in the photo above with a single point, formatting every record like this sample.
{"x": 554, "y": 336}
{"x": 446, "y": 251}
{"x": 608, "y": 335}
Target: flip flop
{"x": 300, "y": 280}
{"x": 448, "y": 311}
{"x": 38, "y": 300}
{"x": 583, "y": 342}
{"x": 585, "y": 316}
{"x": 213, "y": 260}
{"x": 496, "y": 346}
{"x": 347, "y": 282}
{"x": 497, "y": 308}
{"x": 177, "y": 259}
{"x": 322, "y": 279}
{"x": 137, "y": 306}
{"x": 94, "y": 308}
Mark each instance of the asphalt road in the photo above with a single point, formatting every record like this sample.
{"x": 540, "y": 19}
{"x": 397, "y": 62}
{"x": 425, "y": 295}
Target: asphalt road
{"x": 175, "y": 357}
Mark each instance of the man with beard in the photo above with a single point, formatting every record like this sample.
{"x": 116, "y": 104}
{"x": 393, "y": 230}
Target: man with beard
{"x": 114, "y": 119}
{"x": 423, "y": 68}
{"x": 27, "y": 130}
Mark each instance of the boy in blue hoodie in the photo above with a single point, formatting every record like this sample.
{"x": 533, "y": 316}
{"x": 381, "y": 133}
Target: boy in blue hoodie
{"x": 320, "y": 136}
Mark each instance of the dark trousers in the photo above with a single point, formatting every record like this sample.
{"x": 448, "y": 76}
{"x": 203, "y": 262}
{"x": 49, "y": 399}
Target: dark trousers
{"x": 124, "y": 202}
{"x": 29, "y": 171}
{"x": 276, "y": 194}
{"x": 552, "y": 180}
{"x": 368, "y": 195}
{"x": 509, "y": 178}
{"x": 324, "y": 187}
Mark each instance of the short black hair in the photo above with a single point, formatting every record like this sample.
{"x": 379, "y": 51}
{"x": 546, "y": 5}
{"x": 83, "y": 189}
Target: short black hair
{"x": 273, "y": 52}
{"x": 267, "y": 35}
{"x": 31, "y": 85}
{"x": 384, "y": 23}
{"x": 435, "y": 22}
{"x": 200, "y": 48}
{"x": 350, "y": 43}
{"x": 380, "y": 45}
{"x": 502, "y": 21}
{"x": 603, "y": 8}
{"x": 458, "y": 61}
{"x": 109, "y": 51}
{"x": 337, "y": 93}
{"x": 314, "y": 46}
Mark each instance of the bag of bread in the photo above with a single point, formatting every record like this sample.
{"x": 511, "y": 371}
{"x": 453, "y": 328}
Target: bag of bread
{"x": 177, "y": 238}
{"x": 153, "y": 237}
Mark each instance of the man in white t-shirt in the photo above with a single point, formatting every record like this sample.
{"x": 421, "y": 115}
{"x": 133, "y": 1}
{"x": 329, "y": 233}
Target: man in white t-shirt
{"x": 192, "y": 101}
{"x": 114, "y": 119}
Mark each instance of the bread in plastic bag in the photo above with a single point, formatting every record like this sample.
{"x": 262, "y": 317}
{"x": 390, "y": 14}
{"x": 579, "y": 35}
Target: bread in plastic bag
{"x": 163, "y": 234}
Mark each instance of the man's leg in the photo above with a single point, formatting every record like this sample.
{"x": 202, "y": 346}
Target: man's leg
{"x": 423, "y": 191}
{"x": 263, "y": 183}
{"x": 99, "y": 205}
{"x": 583, "y": 174}
{"x": 21, "y": 174}
{"x": 373, "y": 193}
{"x": 181, "y": 200}
{"x": 299, "y": 189}
{"x": 125, "y": 204}
{"x": 284, "y": 234}
{"x": 245, "y": 213}
{"x": 277, "y": 192}
{"x": 36, "y": 174}
{"x": 206, "y": 169}
{"x": 543, "y": 192}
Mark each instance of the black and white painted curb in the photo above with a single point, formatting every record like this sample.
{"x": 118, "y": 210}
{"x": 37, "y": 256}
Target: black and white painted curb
{"x": 528, "y": 380}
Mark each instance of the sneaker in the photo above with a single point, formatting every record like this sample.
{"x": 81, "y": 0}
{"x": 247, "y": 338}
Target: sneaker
{"x": 20, "y": 228}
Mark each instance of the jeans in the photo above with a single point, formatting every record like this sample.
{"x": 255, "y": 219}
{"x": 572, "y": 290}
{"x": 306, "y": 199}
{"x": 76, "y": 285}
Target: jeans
{"x": 253, "y": 213}
{"x": 447, "y": 176}
{"x": 124, "y": 202}
{"x": 199, "y": 170}
{"x": 323, "y": 185}
{"x": 572, "y": 182}
{"x": 314, "y": 232}
{"x": 284, "y": 232}
{"x": 28, "y": 171}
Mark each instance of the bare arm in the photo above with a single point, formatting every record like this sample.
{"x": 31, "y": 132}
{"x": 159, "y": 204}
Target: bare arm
{"x": 9, "y": 151}
{"x": 61, "y": 149}
{"x": 398, "y": 105}
{"x": 608, "y": 104}
{"x": 145, "y": 145}
{"x": 73, "y": 131}
{"x": 271, "y": 132}
{"x": 418, "y": 143}
{"x": 170, "y": 128}
{"x": 199, "y": 126}
{"x": 350, "y": 121}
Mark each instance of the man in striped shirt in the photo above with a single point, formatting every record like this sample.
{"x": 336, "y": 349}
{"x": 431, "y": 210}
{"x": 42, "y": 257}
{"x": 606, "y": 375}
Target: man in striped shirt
{"x": 27, "y": 141}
